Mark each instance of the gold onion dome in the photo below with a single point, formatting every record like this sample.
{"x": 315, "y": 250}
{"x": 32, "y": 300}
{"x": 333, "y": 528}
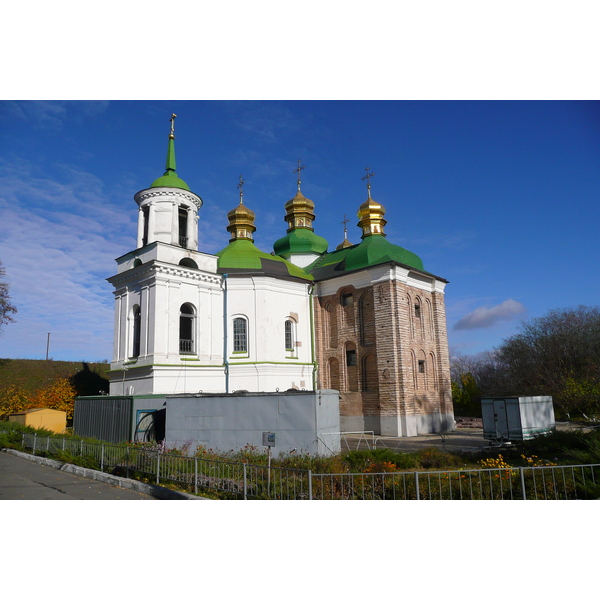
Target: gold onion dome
{"x": 345, "y": 244}
{"x": 371, "y": 221}
{"x": 241, "y": 223}
{"x": 300, "y": 212}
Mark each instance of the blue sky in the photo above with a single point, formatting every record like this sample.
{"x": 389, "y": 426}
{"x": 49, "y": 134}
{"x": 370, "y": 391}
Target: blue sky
{"x": 499, "y": 197}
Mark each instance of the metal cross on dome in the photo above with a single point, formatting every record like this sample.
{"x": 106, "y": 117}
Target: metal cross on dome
{"x": 346, "y": 220}
{"x": 172, "y": 119}
{"x": 240, "y": 184}
{"x": 368, "y": 178}
{"x": 297, "y": 171}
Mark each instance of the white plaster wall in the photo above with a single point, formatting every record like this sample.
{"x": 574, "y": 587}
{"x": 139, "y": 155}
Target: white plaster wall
{"x": 266, "y": 303}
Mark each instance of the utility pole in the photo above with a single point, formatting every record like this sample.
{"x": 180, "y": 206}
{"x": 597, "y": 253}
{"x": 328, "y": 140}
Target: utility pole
{"x": 47, "y": 346}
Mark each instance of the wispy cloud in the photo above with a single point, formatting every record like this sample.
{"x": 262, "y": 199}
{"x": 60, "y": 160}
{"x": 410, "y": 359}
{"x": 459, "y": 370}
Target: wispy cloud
{"x": 58, "y": 242}
{"x": 50, "y": 114}
{"x": 485, "y": 317}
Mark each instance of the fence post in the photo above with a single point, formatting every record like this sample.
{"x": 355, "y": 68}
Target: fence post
{"x": 523, "y": 491}
{"x": 81, "y": 448}
{"x": 63, "y": 444}
{"x": 195, "y": 474}
{"x": 102, "y": 459}
{"x": 127, "y": 465}
{"x": 157, "y": 466}
{"x": 34, "y": 441}
{"x": 310, "y": 493}
{"x": 245, "y": 483}
{"x": 417, "y": 485}
{"x": 23, "y": 441}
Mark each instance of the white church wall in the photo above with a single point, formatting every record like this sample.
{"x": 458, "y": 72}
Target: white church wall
{"x": 266, "y": 303}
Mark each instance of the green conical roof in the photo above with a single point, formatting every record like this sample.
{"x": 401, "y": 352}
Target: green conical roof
{"x": 242, "y": 256}
{"x": 170, "y": 177}
{"x": 300, "y": 241}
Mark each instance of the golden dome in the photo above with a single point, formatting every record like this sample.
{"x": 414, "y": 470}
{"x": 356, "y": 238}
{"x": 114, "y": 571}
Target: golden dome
{"x": 345, "y": 244}
{"x": 241, "y": 223}
{"x": 370, "y": 214}
{"x": 300, "y": 212}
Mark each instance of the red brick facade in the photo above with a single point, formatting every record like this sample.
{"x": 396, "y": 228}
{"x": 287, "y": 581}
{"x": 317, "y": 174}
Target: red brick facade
{"x": 385, "y": 348}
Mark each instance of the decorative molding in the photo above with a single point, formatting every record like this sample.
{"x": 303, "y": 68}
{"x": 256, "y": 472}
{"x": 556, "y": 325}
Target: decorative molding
{"x": 171, "y": 270}
{"x": 145, "y": 194}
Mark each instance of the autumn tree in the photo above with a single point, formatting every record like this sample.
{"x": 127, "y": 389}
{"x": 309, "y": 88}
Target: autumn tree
{"x": 13, "y": 399}
{"x": 59, "y": 395}
{"x": 6, "y": 307}
{"x": 555, "y": 355}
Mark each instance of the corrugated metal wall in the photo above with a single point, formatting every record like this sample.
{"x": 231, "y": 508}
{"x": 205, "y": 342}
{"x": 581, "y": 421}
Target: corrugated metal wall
{"x": 104, "y": 418}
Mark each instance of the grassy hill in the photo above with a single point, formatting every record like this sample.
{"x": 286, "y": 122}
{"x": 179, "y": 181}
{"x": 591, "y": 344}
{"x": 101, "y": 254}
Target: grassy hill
{"x": 32, "y": 375}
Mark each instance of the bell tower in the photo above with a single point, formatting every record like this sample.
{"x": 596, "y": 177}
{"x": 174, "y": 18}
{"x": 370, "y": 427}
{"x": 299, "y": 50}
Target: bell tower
{"x": 166, "y": 293}
{"x": 168, "y": 210}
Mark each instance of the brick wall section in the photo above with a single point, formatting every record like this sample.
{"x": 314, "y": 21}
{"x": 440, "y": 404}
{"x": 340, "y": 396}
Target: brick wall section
{"x": 382, "y": 322}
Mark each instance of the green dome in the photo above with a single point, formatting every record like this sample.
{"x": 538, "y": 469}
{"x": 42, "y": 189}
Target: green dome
{"x": 242, "y": 256}
{"x": 373, "y": 250}
{"x": 170, "y": 179}
{"x": 300, "y": 241}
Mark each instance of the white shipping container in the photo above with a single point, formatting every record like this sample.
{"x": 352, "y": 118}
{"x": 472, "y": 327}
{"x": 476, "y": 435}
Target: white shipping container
{"x": 516, "y": 418}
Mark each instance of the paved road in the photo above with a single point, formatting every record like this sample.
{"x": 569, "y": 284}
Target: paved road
{"x": 21, "y": 479}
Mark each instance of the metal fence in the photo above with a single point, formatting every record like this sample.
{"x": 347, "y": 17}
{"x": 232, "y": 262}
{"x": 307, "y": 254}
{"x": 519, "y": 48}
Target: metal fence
{"x": 519, "y": 483}
{"x": 241, "y": 480}
{"x": 231, "y": 479}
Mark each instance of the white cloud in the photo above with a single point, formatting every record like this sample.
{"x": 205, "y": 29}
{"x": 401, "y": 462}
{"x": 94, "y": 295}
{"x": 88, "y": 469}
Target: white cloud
{"x": 58, "y": 242}
{"x": 485, "y": 317}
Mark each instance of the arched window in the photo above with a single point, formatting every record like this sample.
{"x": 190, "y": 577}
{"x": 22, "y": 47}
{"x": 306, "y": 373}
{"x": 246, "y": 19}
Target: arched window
{"x": 183, "y": 225}
{"x": 419, "y": 317}
{"x": 146, "y": 217}
{"x": 240, "y": 335}
{"x": 187, "y": 321}
{"x": 188, "y": 262}
{"x": 137, "y": 331}
{"x": 289, "y": 335}
{"x": 351, "y": 368}
{"x": 347, "y": 302}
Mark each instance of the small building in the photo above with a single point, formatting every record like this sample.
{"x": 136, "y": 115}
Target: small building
{"x": 516, "y": 418}
{"x": 307, "y": 421}
{"x": 47, "y": 418}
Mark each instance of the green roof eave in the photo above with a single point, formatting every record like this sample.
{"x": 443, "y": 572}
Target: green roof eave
{"x": 373, "y": 250}
{"x": 243, "y": 257}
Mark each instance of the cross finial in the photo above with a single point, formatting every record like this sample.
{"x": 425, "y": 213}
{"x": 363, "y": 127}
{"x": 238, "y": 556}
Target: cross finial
{"x": 368, "y": 178}
{"x": 346, "y": 220}
{"x": 297, "y": 171}
{"x": 172, "y": 119}
{"x": 240, "y": 184}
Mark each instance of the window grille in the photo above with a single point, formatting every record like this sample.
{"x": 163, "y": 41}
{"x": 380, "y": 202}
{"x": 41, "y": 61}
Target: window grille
{"x": 289, "y": 336}
{"x": 186, "y": 329}
{"x": 240, "y": 335}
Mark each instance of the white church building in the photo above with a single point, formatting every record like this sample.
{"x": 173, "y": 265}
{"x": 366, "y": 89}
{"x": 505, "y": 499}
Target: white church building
{"x": 365, "y": 319}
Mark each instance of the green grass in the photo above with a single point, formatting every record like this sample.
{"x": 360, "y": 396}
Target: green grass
{"x": 33, "y": 375}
